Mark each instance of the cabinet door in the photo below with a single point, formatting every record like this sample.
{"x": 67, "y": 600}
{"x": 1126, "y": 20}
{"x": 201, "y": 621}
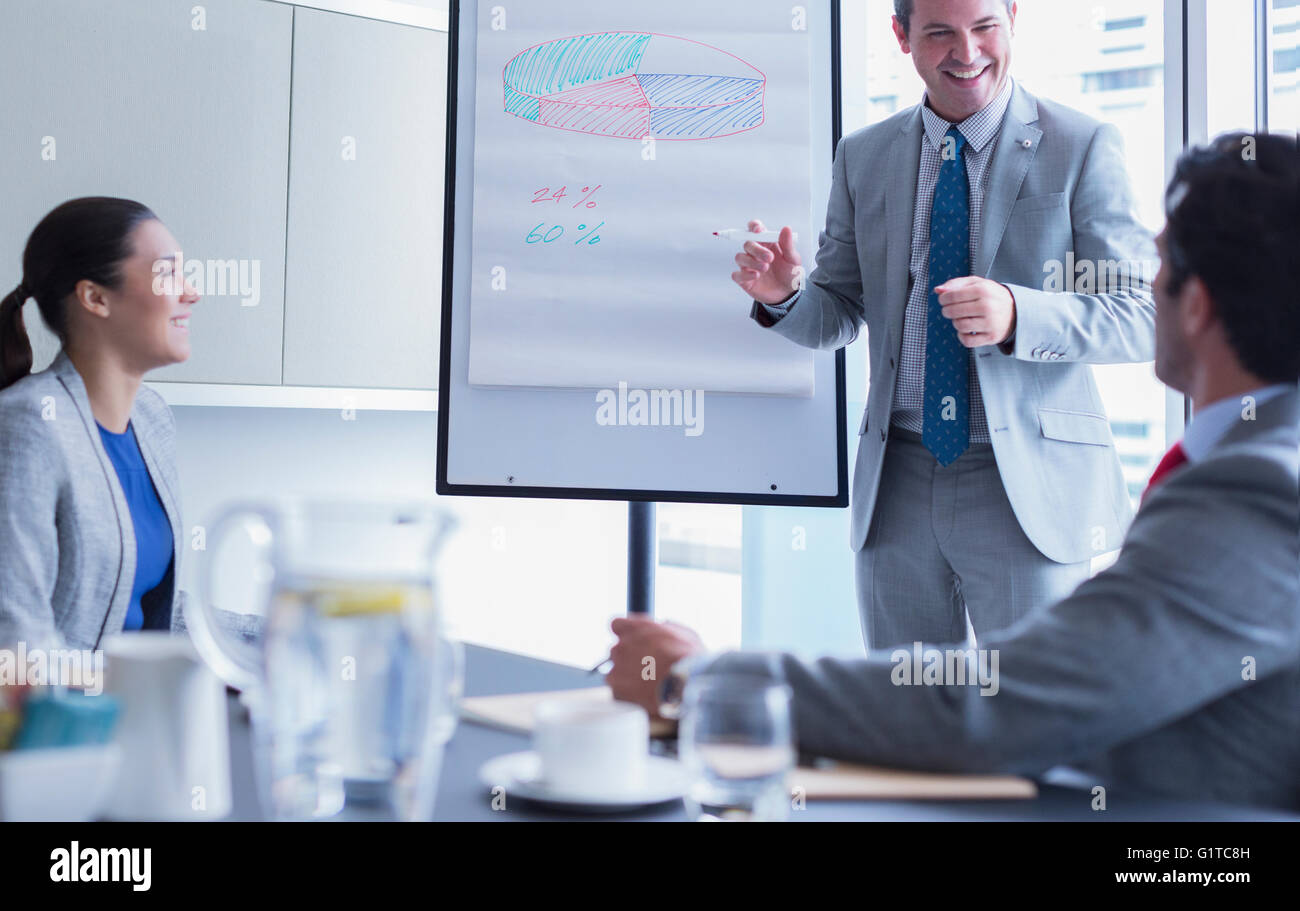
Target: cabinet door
{"x": 181, "y": 106}
{"x": 364, "y": 280}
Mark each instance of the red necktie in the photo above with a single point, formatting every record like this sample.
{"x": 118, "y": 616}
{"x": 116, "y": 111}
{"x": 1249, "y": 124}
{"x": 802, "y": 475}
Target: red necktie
{"x": 1175, "y": 458}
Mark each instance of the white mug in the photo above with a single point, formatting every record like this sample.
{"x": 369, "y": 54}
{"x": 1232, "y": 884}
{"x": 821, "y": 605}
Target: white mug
{"x": 174, "y": 730}
{"x": 592, "y": 749}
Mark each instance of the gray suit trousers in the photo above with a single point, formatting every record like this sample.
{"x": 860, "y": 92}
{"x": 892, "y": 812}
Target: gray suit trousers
{"x": 945, "y": 544}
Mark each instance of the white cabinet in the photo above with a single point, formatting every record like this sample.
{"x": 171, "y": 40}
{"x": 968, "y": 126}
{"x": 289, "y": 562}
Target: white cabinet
{"x": 185, "y": 112}
{"x": 260, "y": 133}
{"x": 366, "y": 171}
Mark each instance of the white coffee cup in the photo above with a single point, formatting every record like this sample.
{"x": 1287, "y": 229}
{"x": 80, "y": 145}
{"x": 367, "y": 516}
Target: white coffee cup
{"x": 592, "y": 749}
{"x": 173, "y": 730}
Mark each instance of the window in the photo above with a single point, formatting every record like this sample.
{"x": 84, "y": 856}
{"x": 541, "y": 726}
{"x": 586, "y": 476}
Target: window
{"x": 545, "y": 577}
{"x": 1284, "y": 95}
{"x": 1115, "y": 25}
{"x": 698, "y": 582}
{"x": 1110, "y": 80}
{"x": 1230, "y": 54}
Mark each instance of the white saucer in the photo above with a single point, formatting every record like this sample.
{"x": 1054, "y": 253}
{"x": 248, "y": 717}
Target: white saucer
{"x": 519, "y": 774}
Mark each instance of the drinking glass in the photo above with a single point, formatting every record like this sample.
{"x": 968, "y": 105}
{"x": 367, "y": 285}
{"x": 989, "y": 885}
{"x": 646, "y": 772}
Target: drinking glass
{"x": 736, "y": 744}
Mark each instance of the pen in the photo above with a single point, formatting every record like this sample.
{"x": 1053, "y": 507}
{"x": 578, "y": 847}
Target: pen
{"x": 597, "y": 668}
{"x": 769, "y": 237}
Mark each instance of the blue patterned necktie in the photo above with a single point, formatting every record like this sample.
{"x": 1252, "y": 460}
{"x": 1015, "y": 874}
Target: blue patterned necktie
{"x": 945, "y": 425}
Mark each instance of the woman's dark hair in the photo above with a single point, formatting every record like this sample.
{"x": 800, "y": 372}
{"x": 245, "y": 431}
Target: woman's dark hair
{"x": 1233, "y": 211}
{"x": 85, "y": 238}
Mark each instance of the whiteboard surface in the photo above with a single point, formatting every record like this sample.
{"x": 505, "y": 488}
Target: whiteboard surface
{"x": 557, "y": 353}
{"x": 571, "y": 200}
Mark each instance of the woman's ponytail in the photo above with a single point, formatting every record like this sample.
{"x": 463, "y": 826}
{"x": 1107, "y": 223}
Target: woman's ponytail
{"x": 15, "y": 346}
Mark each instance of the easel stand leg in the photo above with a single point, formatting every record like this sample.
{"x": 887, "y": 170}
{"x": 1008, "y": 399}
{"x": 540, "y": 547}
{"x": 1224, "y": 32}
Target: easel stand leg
{"x": 642, "y": 558}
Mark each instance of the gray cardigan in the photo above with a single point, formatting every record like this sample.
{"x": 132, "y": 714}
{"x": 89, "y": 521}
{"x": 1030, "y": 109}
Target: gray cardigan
{"x": 67, "y": 545}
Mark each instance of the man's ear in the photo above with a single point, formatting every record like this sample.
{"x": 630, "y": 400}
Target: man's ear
{"x": 901, "y": 36}
{"x": 1196, "y": 310}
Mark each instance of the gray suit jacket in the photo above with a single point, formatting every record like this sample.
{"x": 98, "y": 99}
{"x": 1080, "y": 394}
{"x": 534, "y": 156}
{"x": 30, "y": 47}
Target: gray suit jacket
{"x": 1174, "y": 672}
{"x": 67, "y": 545}
{"x": 1057, "y": 185}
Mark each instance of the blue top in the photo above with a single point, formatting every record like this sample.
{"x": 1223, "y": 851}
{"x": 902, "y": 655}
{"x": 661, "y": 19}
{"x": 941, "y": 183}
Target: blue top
{"x": 153, "y": 531}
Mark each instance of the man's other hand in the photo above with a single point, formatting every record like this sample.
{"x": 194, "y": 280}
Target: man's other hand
{"x": 983, "y": 311}
{"x": 633, "y": 678}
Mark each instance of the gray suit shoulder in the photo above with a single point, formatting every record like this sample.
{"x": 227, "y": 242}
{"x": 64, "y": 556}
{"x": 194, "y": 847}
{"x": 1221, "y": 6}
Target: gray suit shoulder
{"x": 1245, "y": 481}
{"x": 878, "y": 135}
{"x": 1269, "y": 463}
{"x": 1058, "y": 119}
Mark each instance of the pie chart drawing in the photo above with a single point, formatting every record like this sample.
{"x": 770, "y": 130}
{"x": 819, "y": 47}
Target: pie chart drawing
{"x": 630, "y": 85}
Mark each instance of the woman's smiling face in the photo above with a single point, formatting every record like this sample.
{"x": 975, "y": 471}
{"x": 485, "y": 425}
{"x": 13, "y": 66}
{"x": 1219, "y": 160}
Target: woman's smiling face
{"x": 146, "y": 318}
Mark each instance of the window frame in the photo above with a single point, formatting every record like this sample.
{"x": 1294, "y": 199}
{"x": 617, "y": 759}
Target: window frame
{"x": 1187, "y": 96}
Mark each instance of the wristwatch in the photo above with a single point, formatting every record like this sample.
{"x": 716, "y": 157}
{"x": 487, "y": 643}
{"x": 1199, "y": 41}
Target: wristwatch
{"x": 672, "y": 688}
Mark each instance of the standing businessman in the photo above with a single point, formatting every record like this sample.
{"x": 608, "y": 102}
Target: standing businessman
{"x": 986, "y": 475}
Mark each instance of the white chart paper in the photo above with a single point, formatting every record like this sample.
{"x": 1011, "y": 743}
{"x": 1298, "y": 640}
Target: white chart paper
{"x": 594, "y": 262}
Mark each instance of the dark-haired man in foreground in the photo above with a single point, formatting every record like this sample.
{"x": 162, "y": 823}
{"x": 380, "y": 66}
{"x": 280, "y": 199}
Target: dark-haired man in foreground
{"x": 1177, "y": 670}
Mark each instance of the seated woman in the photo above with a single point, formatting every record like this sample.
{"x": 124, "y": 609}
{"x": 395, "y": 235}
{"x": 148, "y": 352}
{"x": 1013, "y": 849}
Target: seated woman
{"x": 90, "y": 524}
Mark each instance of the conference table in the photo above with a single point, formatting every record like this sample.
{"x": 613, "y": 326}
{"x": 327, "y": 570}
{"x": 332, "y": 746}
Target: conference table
{"x": 490, "y": 672}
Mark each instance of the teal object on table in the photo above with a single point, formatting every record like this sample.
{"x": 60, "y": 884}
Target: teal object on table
{"x": 66, "y": 719}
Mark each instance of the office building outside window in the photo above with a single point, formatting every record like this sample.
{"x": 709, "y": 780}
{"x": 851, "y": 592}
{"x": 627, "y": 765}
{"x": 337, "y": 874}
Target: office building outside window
{"x": 1284, "y": 100}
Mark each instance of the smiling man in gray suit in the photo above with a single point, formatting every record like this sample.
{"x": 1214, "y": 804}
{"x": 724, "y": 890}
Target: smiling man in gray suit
{"x": 986, "y": 476}
{"x": 1177, "y": 670}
